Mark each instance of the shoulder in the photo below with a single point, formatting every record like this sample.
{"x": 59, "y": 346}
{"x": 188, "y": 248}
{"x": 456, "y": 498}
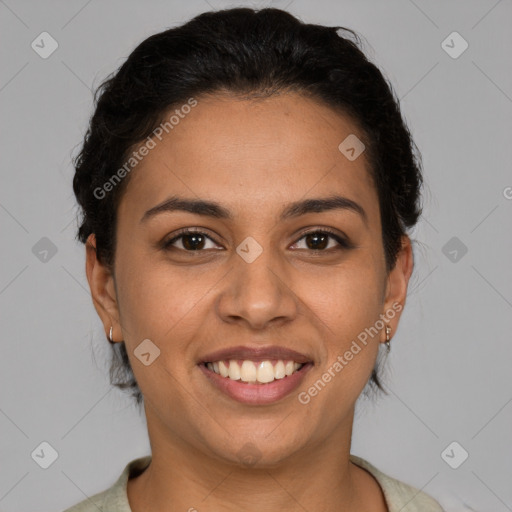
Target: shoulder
{"x": 399, "y": 495}
{"x": 115, "y": 498}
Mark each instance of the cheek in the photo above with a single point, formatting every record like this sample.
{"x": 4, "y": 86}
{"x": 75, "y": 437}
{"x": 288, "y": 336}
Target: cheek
{"x": 346, "y": 298}
{"x": 160, "y": 305}
{"x": 348, "y": 304}
{"x": 154, "y": 297}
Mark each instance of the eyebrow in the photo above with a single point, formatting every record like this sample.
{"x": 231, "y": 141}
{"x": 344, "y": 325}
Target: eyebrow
{"x": 296, "y": 209}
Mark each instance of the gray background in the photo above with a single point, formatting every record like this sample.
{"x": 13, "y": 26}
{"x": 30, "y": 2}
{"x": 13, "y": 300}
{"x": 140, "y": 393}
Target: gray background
{"x": 449, "y": 368}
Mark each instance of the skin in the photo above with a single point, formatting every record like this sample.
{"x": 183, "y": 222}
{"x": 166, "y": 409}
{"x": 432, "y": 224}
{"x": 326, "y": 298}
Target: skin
{"x": 253, "y": 157}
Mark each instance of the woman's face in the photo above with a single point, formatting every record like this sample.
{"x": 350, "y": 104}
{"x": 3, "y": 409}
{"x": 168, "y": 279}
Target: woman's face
{"x": 265, "y": 276}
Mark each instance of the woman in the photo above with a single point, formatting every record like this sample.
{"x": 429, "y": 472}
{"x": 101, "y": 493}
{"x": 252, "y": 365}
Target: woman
{"x": 247, "y": 184}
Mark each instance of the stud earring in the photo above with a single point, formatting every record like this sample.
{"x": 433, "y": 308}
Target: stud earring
{"x": 110, "y": 336}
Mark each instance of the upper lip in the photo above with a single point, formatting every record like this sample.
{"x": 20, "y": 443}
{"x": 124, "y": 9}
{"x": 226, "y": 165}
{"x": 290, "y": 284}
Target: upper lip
{"x": 255, "y": 354}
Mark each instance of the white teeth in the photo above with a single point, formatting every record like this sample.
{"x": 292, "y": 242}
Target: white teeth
{"x": 265, "y": 372}
{"x": 279, "y": 371}
{"x": 223, "y": 369}
{"x": 249, "y": 371}
{"x": 234, "y": 370}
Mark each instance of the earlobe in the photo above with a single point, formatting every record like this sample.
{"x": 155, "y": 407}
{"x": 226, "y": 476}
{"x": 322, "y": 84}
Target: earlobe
{"x": 101, "y": 284}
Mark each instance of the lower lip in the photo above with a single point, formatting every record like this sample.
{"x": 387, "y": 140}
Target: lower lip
{"x": 257, "y": 394}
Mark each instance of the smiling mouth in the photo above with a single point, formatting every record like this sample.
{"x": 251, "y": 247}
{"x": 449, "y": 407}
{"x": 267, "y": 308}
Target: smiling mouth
{"x": 254, "y": 372}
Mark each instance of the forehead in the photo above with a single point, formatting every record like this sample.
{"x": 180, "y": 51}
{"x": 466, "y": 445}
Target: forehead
{"x": 250, "y": 154}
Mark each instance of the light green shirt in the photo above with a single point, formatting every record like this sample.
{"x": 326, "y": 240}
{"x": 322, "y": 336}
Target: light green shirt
{"x": 399, "y": 496}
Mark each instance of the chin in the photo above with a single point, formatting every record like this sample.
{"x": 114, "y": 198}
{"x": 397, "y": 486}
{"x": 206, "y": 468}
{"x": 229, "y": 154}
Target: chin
{"x": 253, "y": 452}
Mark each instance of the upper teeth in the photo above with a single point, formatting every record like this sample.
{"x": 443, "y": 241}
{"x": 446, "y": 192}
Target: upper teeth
{"x": 249, "y": 371}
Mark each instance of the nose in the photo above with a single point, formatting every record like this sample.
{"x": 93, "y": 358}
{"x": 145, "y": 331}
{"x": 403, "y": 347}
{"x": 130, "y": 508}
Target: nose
{"x": 258, "y": 294}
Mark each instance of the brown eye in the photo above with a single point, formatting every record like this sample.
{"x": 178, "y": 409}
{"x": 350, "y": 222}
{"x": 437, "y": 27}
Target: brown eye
{"x": 193, "y": 242}
{"x": 319, "y": 241}
{"x": 190, "y": 241}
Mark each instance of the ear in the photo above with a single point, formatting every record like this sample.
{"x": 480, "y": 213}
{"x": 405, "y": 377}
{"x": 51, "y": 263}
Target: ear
{"x": 396, "y": 287}
{"x": 102, "y": 285}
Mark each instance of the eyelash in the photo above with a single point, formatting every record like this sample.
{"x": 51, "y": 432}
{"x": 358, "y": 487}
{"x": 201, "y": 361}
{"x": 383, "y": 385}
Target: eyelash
{"x": 343, "y": 243}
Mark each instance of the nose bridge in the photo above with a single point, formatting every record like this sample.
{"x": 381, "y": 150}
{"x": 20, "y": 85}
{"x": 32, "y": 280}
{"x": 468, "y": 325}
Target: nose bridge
{"x": 257, "y": 291}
